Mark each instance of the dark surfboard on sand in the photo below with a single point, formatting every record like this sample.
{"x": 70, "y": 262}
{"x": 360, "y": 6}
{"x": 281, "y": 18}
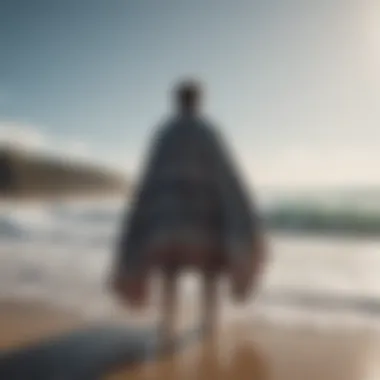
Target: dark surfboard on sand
{"x": 86, "y": 354}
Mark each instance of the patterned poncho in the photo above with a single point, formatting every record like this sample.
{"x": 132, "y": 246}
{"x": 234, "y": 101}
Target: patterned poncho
{"x": 190, "y": 197}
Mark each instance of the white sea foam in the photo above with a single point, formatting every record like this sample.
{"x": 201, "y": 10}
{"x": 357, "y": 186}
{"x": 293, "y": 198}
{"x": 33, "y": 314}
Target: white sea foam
{"x": 61, "y": 254}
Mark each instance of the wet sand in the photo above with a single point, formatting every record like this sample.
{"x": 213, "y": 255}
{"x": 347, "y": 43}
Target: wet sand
{"x": 267, "y": 354}
{"x": 241, "y": 350}
{"x": 25, "y": 323}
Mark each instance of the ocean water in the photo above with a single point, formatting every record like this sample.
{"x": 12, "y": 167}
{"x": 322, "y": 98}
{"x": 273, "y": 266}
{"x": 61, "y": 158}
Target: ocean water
{"x": 61, "y": 254}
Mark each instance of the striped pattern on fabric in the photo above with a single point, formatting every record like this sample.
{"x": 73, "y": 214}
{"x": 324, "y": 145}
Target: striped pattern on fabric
{"x": 189, "y": 194}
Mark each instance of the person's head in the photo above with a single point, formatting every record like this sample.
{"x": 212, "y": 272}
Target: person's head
{"x": 188, "y": 96}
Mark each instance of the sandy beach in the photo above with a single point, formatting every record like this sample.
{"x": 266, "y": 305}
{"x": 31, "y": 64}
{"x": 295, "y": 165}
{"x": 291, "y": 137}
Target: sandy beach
{"x": 241, "y": 350}
{"x": 23, "y": 323}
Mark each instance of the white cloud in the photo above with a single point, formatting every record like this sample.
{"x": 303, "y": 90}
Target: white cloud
{"x": 77, "y": 149}
{"x": 29, "y": 138}
{"x": 22, "y": 136}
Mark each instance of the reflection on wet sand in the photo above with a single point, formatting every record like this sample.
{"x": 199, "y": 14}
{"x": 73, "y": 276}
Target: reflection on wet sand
{"x": 208, "y": 360}
{"x": 242, "y": 361}
{"x": 241, "y": 350}
{"x": 266, "y": 354}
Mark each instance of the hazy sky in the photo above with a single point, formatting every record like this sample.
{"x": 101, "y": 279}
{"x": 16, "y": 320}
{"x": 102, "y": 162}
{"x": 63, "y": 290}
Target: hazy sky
{"x": 295, "y": 85}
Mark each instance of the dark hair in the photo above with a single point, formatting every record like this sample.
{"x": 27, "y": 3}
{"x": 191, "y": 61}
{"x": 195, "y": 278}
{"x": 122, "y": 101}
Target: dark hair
{"x": 188, "y": 93}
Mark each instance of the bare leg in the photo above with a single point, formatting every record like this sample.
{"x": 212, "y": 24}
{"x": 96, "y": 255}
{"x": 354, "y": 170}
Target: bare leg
{"x": 169, "y": 306}
{"x": 209, "y": 306}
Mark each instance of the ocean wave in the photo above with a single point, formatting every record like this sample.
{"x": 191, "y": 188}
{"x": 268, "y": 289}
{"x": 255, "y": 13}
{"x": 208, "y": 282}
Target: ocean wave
{"x": 71, "y": 222}
{"x": 61, "y": 254}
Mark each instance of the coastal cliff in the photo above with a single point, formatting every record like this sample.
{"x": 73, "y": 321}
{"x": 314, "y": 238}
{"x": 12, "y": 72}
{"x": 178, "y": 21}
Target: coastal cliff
{"x": 25, "y": 174}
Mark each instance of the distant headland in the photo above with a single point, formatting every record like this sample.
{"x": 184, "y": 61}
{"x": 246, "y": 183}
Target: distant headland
{"x": 26, "y": 174}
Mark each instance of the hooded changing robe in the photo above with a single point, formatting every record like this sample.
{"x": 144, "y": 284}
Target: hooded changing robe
{"x": 190, "y": 210}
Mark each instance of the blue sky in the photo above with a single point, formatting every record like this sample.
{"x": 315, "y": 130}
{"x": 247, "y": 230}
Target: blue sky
{"x": 295, "y": 85}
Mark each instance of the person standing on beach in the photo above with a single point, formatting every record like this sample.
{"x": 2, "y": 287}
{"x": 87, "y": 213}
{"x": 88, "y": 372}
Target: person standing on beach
{"x": 190, "y": 211}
